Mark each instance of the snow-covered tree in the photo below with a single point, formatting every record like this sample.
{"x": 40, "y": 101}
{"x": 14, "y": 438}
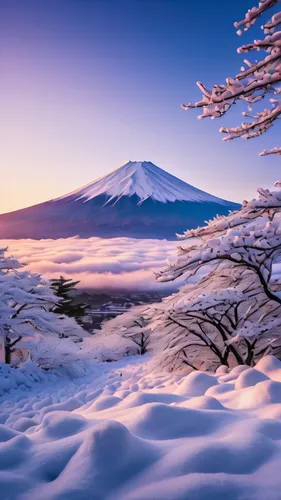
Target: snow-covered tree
{"x": 249, "y": 238}
{"x": 226, "y": 319}
{"x": 223, "y": 319}
{"x": 244, "y": 309}
{"x": 25, "y": 317}
{"x": 229, "y": 312}
{"x": 256, "y": 81}
{"x": 130, "y": 326}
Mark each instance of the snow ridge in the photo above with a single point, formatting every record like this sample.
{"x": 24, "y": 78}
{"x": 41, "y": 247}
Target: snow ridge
{"x": 145, "y": 180}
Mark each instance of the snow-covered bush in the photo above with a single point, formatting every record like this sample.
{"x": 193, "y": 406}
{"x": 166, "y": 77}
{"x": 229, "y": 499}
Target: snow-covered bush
{"x": 26, "y": 321}
{"x": 256, "y": 81}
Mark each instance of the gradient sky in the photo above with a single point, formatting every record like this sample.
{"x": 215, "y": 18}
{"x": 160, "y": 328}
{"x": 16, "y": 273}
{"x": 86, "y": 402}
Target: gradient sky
{"x": 86, "y": 85}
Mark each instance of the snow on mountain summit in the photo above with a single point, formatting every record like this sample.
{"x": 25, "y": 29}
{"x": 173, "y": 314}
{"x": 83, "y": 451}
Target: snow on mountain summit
{"x": 137, "y": 200}
{"x": 145, "y": 180}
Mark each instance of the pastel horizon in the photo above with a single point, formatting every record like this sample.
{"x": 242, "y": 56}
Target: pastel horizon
{"x": 77, "y": 99}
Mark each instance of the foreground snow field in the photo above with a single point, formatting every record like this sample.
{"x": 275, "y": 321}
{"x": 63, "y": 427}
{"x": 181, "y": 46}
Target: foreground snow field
{"x": 119, "y": 431}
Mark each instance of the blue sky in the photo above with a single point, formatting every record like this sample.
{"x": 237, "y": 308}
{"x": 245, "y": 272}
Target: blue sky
{"x": 88, "y": 84}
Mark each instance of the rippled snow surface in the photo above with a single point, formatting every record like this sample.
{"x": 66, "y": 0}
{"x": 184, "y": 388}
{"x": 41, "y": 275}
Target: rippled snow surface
{"x": 120, "y": 431}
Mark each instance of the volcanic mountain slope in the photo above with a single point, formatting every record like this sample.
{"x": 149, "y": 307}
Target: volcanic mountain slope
{"x": 137, "y": 200}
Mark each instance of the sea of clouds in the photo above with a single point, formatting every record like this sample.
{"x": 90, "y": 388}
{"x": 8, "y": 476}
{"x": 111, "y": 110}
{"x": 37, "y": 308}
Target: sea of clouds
{"x": 116, "y": 263}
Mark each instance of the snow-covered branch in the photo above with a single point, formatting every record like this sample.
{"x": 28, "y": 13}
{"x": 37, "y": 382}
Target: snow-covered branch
{"x": 254, "y": 13}
{"x": 262, "y": 122}
{"x": 251, "y": 85}
{"x": 273, "y": 151}
{"x": 260, "y": 210}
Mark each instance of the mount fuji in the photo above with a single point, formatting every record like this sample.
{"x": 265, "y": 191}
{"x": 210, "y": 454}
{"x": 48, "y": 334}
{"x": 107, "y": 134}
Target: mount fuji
{"x": 138, "y": 200}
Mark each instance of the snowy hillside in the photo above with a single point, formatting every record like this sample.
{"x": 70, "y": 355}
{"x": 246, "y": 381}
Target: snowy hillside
{"x": 145, "y": 180}
{"x": 138, "y": 200}
{"x": 122, "y": 432}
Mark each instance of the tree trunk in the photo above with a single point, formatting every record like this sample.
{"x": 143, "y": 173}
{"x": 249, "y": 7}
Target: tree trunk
{"x": 8, "y": 355}
{"x": 9, "y": 348}
{"x": 142, "y": 349}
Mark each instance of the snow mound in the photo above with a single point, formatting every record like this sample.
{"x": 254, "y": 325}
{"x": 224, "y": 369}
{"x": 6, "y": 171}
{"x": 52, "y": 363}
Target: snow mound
{"x": 145, "y": 180}
{"x": 271, "y": 367}
{"x": 196, "y": 384}
{"x": 249, "y": 378}
{"x": 120, "y": 431}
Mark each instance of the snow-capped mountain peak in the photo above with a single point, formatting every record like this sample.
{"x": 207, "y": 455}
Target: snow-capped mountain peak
{"x": 137, "y": 200}
{"x": 145, "y": 180}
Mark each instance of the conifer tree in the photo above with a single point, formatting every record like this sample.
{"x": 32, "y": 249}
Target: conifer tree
{"x": 63, "y": 289}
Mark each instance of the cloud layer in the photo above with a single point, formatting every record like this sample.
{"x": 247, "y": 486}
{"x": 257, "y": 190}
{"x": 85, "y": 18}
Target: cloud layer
{"x": 119, "y": 263}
